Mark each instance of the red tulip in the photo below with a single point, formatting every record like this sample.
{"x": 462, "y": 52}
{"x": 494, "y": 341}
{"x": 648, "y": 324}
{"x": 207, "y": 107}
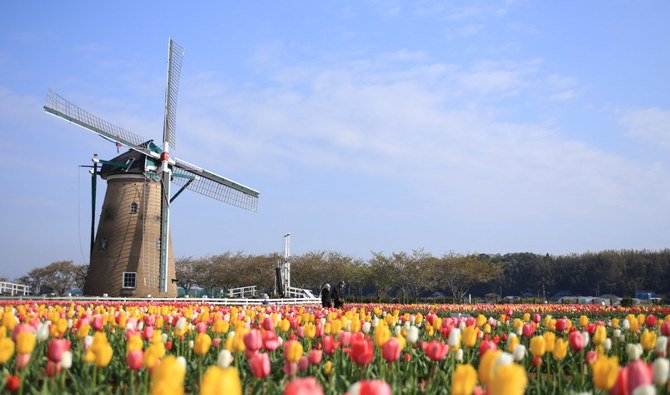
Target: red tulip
{"x": 371, "y": 387}
{"x": 650, "y": 321}
{"x": 13, "y": 383}
{"x": 486, "y": 345}
{"x": 561, "y": 324}
{"x": 53, "y": 368}
{"x": 306, "y": 386}
{"x": 134, "y": 359}
{"x": 537, "y": 361}
{"x": 435, "y": 350}
{"x": 329, "y": 345}
{"x": 362, "y": 351}
{"x": 260, "y": 365}
{"x": 253, "y": 340}
{"x": 537, "y": 318}
{"x": 268, "y": 324}
{"x": 391, "y": 350}
{"x": 315, "y": 356}
{"x": 665, "y": 328}
{"x": 56, "y": 348}
{"x": 576, "y": 340}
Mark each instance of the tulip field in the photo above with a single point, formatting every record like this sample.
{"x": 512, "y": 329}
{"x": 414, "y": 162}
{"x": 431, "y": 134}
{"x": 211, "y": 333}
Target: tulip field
{"x": 199, "y": 348}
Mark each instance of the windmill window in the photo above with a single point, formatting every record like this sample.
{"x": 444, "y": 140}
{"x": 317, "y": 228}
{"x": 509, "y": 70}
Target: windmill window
{"x": 129, "y": 279}
{"x": 103, "y": 244}
{"x": 133, "y": 208}
{"x": 158, "y": 244}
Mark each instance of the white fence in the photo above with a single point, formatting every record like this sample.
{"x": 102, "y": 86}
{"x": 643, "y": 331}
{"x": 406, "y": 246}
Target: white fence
{"x": 210, "y": 301}
{"x": 7, "y": 288}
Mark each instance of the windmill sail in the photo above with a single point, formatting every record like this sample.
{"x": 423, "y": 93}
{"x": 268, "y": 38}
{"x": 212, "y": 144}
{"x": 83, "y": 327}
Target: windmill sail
{"x": 58, "y": 106}
{"x": 175, "y": 59}
{"x": 215, "y": 186}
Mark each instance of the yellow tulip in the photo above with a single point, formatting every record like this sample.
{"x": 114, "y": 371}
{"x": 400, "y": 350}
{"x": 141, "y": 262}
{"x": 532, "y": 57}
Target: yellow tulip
{"x": 648, "y": 340}
{"x": 103, "y": 355}
{"x": 486, "y": 365}
{"x": 134, "y": 343}
{"x": 560, "y": 349}
{"x": 25, "y": 342}
{"x": 605, "y": 372}
{"x": 480, "y": 320}
{"x": 599, "y": 336}
{"x": 583, "y": 320}
{"x": 537, "y": 346}
{"x": 469, "y": 336}
{"x": 463, "y": 380}
{"x": 508, "y": 380}
{"x": 168, "y": 377}
{"x": 202, "y": 344}
{"x": 328, "y": 368}
{"x": 512, "y": 342}
{"x": 526, "y": 317}
{"x": 238, "y": 340}
{"x": 221, "y": 381}
{"x": 310, "y": 330}
{"x": 6, "y": 349}
{"x": 549, "y": 341}
{"x": 294, "y": 351}
{"x": 382, "y": 334}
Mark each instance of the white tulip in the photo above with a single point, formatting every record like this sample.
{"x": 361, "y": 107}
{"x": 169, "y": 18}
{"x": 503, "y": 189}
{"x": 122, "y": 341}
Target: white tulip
{"x": 519, "y": 352}
{"x": 645, "y": 390}
{"x": 607, "y": 344}
{"x": 412, "y": 334}
{"x": 366, "y": 327}
{"x": 182, "y": 361}
{"x": 42, "y": 333}
{"x": 586, "y": 337}
{"x": 454, "y": 338}
{"x": 616, "y": 333}
{"x": 88, "y": 341}
{"x": 181, "y": 323}
{"x": 459, "y": 355}
{"x": 70, "y": 322}
{"x": 634, "y": 351}
{"x": 505, "y": 358}
{"x": 225, "y": 358}
{"x": 66, "y": 360}
{"x": 397, "y": 330}
{"x": 661, "y": 371}
{"x": 626, "y": 324}
{"x": 661, "y": 346}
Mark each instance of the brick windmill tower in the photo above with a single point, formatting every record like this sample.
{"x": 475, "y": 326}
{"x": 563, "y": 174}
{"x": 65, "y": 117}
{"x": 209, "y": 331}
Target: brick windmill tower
{"x": 131, "y": 254}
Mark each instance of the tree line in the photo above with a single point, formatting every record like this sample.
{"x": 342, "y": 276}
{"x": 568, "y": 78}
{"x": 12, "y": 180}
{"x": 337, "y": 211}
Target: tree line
{"x": 408, "y": 276}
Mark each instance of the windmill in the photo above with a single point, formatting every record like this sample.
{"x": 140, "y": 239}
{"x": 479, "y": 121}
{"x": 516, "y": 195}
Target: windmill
{"x": 131, "y": 254}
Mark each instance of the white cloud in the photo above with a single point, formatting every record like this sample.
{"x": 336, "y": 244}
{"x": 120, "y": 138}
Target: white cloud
{"x": 390, "y": 122}
{"x": 651, "y": 126}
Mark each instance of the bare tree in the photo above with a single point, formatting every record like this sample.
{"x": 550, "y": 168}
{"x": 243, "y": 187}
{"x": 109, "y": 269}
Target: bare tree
{"x": 459, "y": 273}
{"x": 58, "y": 276}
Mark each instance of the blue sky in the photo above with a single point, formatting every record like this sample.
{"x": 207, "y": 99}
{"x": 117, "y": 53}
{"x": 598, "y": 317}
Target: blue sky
{"x": 466, "y": 126}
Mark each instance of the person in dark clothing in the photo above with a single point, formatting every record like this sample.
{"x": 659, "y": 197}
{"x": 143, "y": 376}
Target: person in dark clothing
{"x": 338, "y": 295}
{"x": 325, "y": 296}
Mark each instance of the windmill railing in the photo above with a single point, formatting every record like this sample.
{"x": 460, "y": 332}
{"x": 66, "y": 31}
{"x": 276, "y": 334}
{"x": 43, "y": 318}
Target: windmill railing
{"x": 211, "y": 301}
{"x": 293, "y": 292}
{"x": 242, "y": 292}
{"x": 7, "y": 288}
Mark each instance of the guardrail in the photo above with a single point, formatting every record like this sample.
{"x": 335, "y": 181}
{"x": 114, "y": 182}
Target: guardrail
{"x": 242, "y": 291}
{"x": 210, "y": 301}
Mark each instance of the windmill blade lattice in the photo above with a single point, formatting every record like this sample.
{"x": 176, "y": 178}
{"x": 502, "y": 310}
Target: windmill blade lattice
{"x": 58, "y": 106}
{"x": 215, "y": 186}
{"x": 176, "y": 57}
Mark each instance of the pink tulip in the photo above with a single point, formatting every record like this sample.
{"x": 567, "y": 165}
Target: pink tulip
{"x": 53, "y": 368}
{"x": 391, "y": 350}
{"x": 306, "y": 386}
{"x": 486, "y": 345}
{"x": 148, "y": 332}
{"x": 56, "y": 348}
{"x": 97, "y": 323}
{"x": 22, "y": 360}
{"x": 576, "y": 340}
{"x": 253, "y": 340}
{"x": 639, "y": 373}
{"x": 201, "y": 327}
{"x": 665, "y": 328}
{"x": 134, "y": 359}
{"x": 344, "y": 338}
{"x": 528, "y": 330}
{"x": 216, "y": 342}
{"x": 303, "y": 363}
{"x": 290, "y": 368}
{"x": 561, "y": 324}
{"x": 260, "y": 365}
{"x": 315, "y": 356}
{"x": 435, "y": 350}
{"x": 270, "y": 340}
